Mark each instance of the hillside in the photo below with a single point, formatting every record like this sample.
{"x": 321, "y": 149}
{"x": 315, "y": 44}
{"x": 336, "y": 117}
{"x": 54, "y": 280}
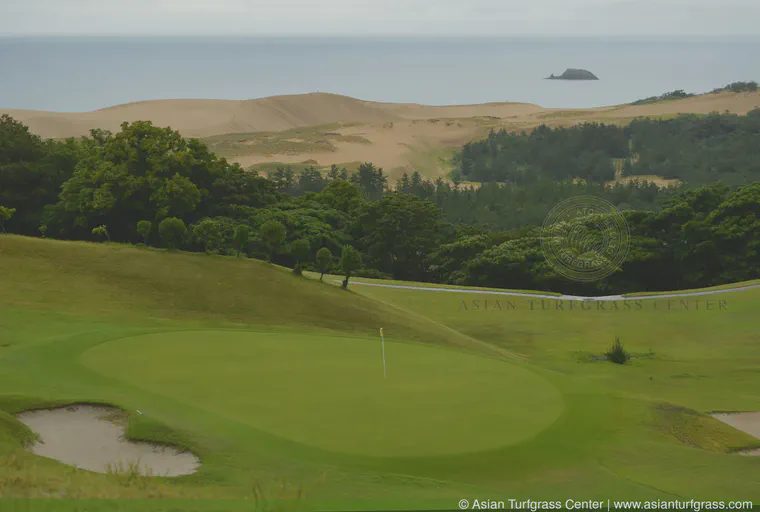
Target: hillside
{"x": 117, "y": 281}
{"x": 344, "y": 130}
{"x": 204, "y": 118}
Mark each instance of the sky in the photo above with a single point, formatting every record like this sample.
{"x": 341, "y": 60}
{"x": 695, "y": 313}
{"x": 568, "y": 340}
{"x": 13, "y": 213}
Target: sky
{"x": 662, "y": 18}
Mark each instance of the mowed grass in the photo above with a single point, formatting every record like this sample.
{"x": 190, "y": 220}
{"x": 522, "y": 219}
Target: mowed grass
{"x": 329, "y": 392}
{"x": 688, "y": 360}
{"x": 275, "y": 382}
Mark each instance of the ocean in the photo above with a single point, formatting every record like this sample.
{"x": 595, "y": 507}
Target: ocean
{"x": 79, "y": 74}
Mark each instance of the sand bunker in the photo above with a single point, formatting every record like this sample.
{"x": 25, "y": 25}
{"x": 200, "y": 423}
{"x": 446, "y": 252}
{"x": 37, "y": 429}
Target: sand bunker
{"x": 87, "y": 437}
{"x": 748, "y": 422}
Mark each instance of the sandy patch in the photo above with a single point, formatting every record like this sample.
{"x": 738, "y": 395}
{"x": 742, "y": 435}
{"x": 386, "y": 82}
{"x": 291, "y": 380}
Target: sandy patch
{"x": 401, "y": 146}
{"x": 748, "y": 422}
{"x": 84, "y": 437}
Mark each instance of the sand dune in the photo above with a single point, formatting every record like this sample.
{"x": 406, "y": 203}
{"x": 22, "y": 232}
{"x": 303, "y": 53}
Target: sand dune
{"x": 396, "y": 136}
{"x": 203, "y": 118}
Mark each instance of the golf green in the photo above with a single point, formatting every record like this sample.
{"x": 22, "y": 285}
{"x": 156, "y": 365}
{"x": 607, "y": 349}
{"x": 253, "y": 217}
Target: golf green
{"x": 329, "y": 392}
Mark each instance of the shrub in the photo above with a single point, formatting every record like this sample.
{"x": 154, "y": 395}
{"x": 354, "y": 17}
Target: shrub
{"x": 5, "y": 214}
{"x": 617, "y": 354}
{"x": 101, "y": 232}
{"x": 216, "y": 234}
{"x": 173, "y": 232}
{"x": 144, "y": 227}
{"x": 300, "y": 250}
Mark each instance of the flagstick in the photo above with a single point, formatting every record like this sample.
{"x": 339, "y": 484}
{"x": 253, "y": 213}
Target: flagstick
{"x": 382, "y": 338}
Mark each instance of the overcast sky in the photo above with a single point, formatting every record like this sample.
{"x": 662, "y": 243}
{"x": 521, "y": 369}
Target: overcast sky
{"x": 382, "y": 17}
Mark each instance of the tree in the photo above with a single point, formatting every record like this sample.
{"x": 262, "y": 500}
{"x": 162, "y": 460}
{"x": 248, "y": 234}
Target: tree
{"x": 5, "y": 214}
{"x": 284, "y": 178}
{"x": 216, "y": 234}
{"x": 337, "y": 174}
{"x": 370, "y": 180}
{"x": 398, "y": 232}
{"x": 173, "y": 232}
{"x": 402, "y": 185}
{"x": 341, "y": 195}
{"x": 273, "y": 233}
{"x": 242, "y": 235}
{"x": 31, "y": 173}
{"x": 311, "y": 180}
{"x": 101, "y": 232}
{"x": 142, "y": 172}
{"x": 300, "y": 249}
{"x": 350, "y": 260}
{"x": 324, "y": 261}
{"x": 144, "y": 227}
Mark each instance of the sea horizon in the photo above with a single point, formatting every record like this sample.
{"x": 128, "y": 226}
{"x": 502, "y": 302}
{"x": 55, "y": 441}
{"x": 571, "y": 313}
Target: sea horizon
{"x": 71, "y": 73}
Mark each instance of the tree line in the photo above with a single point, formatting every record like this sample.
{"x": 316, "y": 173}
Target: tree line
{"x": 492, "y": 204}
{"x": 149, "y": 185}
{"x": 680, "y": 94}
{"x": 696, "y": 149}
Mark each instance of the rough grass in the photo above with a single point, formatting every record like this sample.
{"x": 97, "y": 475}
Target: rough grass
{"x": 432, "y": 161}
{"x": 701, "y": 430}
{"x": 149, "y": 430}
{"x": 121, "y": 282}
{"x": 13, "y": 432}
{"x": 294, "y": 141}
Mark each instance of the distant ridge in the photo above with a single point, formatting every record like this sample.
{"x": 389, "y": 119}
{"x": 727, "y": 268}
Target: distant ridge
{"x": 204, "y": 118}
{"x": 208, "y": 117}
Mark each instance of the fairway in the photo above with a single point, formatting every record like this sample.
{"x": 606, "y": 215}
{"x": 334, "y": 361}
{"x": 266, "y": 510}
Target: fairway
{"x": 329, "y": 392}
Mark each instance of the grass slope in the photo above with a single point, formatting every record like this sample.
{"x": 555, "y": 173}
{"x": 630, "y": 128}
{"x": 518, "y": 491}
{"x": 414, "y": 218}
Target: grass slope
{"x": 59, "y": 300}
{"x": 275, "y": 382}
{"x": 688, "y": 361}
{"x": 123, "y": 283}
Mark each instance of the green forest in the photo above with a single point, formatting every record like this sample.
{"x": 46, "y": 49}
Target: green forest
{"x": 697, "y": 150}
{"x": 148, "y": 185}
